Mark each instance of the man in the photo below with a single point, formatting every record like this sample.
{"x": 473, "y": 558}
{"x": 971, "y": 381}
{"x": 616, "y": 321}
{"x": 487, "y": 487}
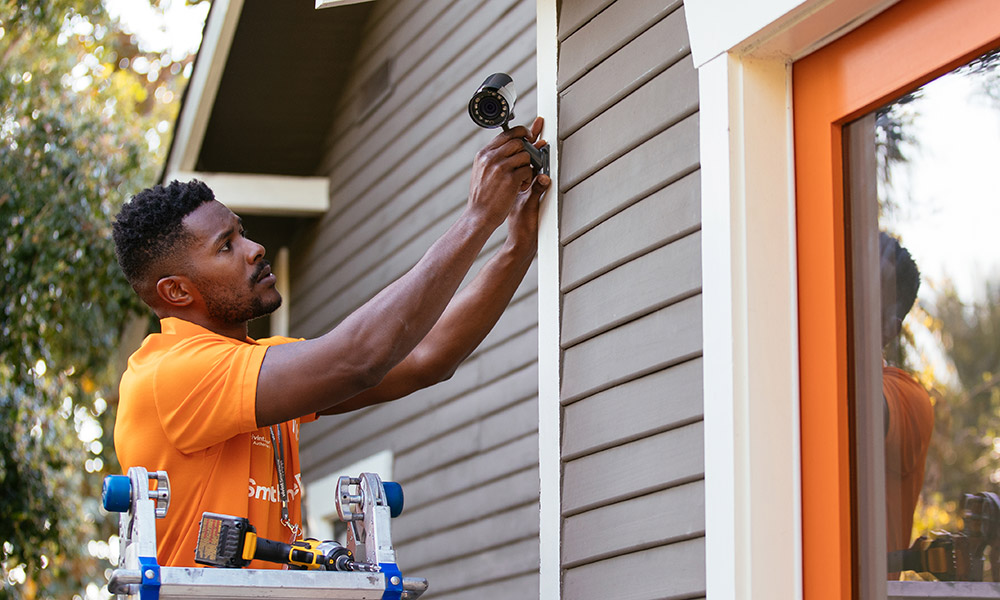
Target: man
{"x": 220, "y": 412}
{"x": 909, "y": 415}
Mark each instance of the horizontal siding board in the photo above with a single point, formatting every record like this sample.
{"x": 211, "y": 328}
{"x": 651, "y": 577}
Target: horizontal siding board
{"x": 447, "y": 140}
{"x": 620, "y": 74}
{"x": 665, "y": 337}
{"x": 606, "y": 33}
{"x": 521, "y": 586}
{"x": 516, "y": 558}
{"x": 342, "y": 439}
{"x": 671, "y": 213}
{"x": 651, "y": 520}
{"x": 657, "y": 402}
{"x": 509, "y": 526}
{"x": 439, "y": 85}
{"x": 468, "y": 377}
{"x": 651, "y": 166}
{"x": 428, "y": 61}
{"x": 665, "y": 572}
{"x": 509, "y": 424}
{"x": 633, "y": 469}
{"x": 465, "y": 450}
{"x": 660, "y": 103}
{"x": 471, "y": 472}
{"x": 573, "y": 15}
{"x": 474, "y": 504}
{"x": 408, "y": 24}
{"x": 654, "y": 280}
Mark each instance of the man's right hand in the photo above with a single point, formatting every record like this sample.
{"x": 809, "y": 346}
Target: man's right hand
{"x": 501, "y": 170}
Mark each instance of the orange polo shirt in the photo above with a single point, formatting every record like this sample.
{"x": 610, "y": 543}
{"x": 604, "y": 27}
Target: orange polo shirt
{"x": 187, "y": 407}
{"x": 911, "y": 423}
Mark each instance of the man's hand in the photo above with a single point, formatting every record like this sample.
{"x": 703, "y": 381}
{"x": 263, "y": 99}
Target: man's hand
{"x": 501, "y": 170}
{"x": 522, "y": 222}
{"x": 404, "y": 339}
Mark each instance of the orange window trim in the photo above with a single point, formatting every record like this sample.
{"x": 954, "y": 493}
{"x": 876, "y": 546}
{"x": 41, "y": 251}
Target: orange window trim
{"x": 908, "y": 45}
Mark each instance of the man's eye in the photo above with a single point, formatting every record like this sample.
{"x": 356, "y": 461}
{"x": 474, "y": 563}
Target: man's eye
{"x": 226, "y": 246}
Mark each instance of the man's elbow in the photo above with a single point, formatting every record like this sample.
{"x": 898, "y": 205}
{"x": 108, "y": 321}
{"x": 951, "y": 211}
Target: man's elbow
{"x": 433, "y": 371}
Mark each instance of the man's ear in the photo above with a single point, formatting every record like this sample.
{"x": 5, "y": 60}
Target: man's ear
{"x": 175, "y": 290}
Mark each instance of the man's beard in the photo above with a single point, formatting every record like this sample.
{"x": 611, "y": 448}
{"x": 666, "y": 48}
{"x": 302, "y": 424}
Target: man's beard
{"x": 229, "y": 310}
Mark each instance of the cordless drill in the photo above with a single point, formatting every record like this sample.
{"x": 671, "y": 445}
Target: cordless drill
{"x": 232, "y": 542}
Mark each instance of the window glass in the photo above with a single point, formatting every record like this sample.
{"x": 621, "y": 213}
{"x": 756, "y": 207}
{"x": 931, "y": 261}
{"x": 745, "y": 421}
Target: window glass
{"x": 933, "y": 247}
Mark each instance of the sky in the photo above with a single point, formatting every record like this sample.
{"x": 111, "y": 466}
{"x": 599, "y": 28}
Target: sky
{"x": 949, "y": 194}
{"x": 950, "y": 190}
{"x": 176, "y": 27}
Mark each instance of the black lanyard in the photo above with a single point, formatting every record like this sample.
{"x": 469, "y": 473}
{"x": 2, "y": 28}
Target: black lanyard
{"x": 279, "y": 462}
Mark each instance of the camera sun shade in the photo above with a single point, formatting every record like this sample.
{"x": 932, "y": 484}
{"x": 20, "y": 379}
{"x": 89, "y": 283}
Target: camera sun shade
{"x": 493, "y": 103}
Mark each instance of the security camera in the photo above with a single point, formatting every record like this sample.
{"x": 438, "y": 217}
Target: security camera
{"x": 493, "y": 106}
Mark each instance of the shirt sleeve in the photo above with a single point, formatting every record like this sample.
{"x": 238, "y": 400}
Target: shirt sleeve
{"x": 911, "y": 420}
{"x": 206, "y": 391}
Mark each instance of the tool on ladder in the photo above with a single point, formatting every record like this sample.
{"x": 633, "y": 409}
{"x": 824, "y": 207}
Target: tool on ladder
{"x": 323, "y": 569}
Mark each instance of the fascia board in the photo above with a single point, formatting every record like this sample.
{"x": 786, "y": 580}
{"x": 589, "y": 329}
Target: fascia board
{"x": 220, "y": 28}
{"x": 772, "y": 28}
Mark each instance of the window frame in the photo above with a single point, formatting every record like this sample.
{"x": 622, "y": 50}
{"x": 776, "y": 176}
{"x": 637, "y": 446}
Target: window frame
{"x": 921, "y": 40}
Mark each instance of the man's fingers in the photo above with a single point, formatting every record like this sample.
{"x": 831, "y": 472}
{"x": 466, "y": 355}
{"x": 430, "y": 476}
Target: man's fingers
{"x": 539, "y": 186}
{"x": 536, "y": 128}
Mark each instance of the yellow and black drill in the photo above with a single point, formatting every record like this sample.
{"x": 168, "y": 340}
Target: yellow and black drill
{"x": 232, "y": 542}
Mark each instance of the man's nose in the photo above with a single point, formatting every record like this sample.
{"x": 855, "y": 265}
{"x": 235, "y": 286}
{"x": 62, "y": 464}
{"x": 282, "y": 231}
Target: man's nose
{"x": 256, "y": 251}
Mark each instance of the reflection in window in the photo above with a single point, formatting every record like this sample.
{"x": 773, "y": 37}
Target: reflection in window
{"x": 938, "y": 255}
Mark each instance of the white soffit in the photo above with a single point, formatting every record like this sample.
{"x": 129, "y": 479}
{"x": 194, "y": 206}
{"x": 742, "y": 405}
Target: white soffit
{"x": 273, "y": 195}
{"x": 216, "y": 41}
{"x": 764, "y": 28}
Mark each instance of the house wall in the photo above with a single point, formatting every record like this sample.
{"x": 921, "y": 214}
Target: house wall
{"x": 399, "y": 158}
{"x": 630, "y": 230}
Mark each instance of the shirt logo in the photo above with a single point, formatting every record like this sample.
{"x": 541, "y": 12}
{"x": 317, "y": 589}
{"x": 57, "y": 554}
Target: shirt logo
{"x": 270, "y": 493}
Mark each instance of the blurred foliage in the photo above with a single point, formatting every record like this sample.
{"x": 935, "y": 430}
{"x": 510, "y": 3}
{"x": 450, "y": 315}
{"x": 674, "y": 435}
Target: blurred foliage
{"x": 965, "y": 449}
{"x": 81, "y": 128}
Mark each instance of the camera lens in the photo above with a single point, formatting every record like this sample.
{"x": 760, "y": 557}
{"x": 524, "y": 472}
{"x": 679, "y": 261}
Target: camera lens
{"x": 493, "y": 103}
{"x": 490, "y": 108}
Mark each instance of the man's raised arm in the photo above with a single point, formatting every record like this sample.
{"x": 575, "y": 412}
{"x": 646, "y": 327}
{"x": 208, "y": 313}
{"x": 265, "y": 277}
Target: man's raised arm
{"x": 311, "y": 376}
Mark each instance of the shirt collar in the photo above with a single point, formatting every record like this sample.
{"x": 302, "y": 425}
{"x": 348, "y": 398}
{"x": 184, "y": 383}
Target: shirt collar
{"x": 180, "y": 327}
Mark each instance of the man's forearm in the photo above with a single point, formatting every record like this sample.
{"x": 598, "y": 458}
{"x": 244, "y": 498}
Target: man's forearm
{"x": 467, "y": 320}
{"x": 374, "y": 338}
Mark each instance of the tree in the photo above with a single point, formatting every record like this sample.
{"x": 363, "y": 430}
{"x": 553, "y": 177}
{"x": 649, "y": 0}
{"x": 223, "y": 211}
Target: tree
{"x": 966, "y": 442}
{"x": 80, "y": 126}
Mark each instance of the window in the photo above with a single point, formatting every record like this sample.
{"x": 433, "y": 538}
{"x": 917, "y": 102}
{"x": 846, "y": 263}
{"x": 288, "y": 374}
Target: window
{"x": 907, "y": 46}
{"x": 921, "y": 204}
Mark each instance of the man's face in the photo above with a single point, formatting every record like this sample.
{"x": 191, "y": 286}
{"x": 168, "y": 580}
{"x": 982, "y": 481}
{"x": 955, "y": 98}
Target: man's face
{"x": 891, "y": 324}
{"x": 229, "y": 269}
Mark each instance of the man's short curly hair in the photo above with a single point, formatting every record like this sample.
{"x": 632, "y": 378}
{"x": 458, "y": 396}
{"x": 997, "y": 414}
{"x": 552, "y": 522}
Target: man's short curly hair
{"x": 149, "y": 227}
{"x": 907, "y": 275}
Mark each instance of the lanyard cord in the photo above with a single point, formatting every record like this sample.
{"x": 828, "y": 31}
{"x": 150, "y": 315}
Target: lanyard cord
{"x": 279, "y": 462}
